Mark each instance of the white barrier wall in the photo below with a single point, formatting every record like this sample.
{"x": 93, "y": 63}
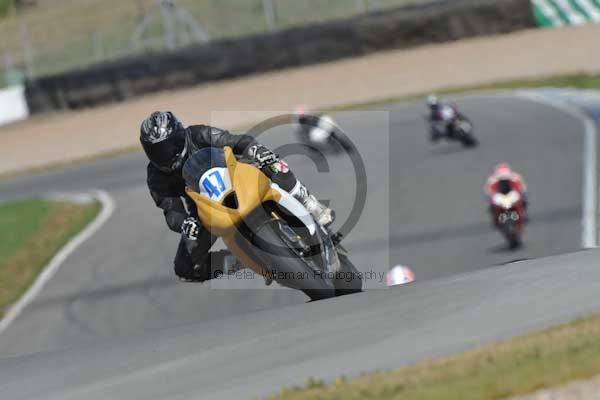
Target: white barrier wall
{"x": 13, "y": 106}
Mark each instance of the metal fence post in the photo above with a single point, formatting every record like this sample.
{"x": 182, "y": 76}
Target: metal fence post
{"x": 270, "y": 14}
{"x": 27, "y": 47}
{"x": 361, "y": 6}
{"x": 179, "y": 27}
{"x": 12, "y": 75}
{"x": 98, "y": 46}
{"x": 170, "y": 30}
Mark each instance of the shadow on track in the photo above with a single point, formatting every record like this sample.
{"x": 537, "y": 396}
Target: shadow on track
{"x": 106, "y": 292}
{"x": 504, "y": 248}
{"x": 446, "y": 150}
{"x": 465, "y": 231}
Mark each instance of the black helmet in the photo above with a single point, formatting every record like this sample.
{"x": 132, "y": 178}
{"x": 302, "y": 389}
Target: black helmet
{"x": 163, "y": 138}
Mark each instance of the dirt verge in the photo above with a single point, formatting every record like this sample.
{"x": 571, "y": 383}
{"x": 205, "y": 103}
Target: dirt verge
{"x": 68, "y": 136}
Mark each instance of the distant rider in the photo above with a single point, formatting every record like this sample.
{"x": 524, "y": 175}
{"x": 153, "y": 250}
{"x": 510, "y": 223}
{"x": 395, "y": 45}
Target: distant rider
{"x": 504, "y": 180}
{"x": 168, "y": 144}
{"x": 441, "y": 113}
{"x": 315, "y": 128}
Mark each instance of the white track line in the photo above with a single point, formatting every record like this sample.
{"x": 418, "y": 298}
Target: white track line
{"x": 108, "y": 207}
{"x": 589, "y": 223}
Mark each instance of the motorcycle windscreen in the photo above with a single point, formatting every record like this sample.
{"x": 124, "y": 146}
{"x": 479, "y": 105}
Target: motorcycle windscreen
{"x": 200, "y": 163}
{"x": 505, "y": 186}
{"x": 166, "y": 153}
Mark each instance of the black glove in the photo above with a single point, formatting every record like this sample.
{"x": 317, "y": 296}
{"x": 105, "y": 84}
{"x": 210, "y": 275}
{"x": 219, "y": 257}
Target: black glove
{"x": 262, "y": 156}
{"x": 191, "y": 228}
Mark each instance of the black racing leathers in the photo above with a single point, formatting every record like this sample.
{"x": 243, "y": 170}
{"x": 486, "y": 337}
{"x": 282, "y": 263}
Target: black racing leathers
{"x": 168, "y": 192}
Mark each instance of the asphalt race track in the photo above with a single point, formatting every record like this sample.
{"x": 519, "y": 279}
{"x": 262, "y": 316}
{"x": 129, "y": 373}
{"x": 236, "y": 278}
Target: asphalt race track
{"x": 258, "y": 353}
{"x": 113, "y": 298}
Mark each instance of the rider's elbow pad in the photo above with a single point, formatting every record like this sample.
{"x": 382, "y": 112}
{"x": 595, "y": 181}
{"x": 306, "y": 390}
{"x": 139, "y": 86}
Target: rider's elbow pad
{"x": 244, "y": 142}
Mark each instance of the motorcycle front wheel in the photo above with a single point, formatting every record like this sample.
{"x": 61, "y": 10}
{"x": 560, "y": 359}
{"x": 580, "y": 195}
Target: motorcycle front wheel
{"x": 468, "y": 140}
{"x": 514, "y": 242}
{"x": 349, "y": 280}
{"x": 286, "y": 264}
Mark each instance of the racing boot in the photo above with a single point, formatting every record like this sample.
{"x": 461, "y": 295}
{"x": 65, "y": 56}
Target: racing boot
{"x": 322, "y": 214}
{"x": 226, "y": 262}
{"x": 199, "y": 273}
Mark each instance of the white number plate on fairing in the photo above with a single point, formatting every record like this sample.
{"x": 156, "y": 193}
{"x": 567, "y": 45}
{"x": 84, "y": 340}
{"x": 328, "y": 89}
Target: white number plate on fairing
{"x": 215, "y": 183}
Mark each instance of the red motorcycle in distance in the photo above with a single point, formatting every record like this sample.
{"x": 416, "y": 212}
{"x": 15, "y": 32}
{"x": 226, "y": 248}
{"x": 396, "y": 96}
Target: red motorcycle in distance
{"x": 509, "y": 216}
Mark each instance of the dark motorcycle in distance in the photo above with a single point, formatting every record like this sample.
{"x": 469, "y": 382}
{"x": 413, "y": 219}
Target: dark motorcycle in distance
{"x": 509, "y": 217}
{"x": 459, "y": 129}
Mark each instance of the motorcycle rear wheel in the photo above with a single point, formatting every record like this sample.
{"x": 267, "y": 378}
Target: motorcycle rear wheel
{"x": 468, "y": 140}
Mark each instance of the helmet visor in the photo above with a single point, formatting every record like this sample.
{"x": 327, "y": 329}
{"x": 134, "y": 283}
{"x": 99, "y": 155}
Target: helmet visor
{"x": 167, "y": 154}
{"x": 504, "y": 186}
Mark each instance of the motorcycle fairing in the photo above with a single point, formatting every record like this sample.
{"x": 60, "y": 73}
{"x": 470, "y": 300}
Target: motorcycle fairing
{"x": 258, "y": 205}
{"x": 251, "y": 187}
{"x": 294, "y": 207}
{"x": 506, "y": 201}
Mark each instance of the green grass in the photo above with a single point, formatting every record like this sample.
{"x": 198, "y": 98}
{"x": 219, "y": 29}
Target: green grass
{"x": 4, "y": 7}
{"x": 575, "y": 81}
{"x": 548, "y": 358}
{"x": 31, "y": 232}
{"x": 18, "y": 221}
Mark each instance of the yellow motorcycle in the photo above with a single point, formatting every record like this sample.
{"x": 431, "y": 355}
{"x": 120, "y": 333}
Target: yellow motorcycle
{"x": 266, "y": 228}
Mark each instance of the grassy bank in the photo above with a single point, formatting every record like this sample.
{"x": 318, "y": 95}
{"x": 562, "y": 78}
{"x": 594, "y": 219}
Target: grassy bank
{"x": 31, "y": 232}
{"x": 544, "y": 359}
{"x": 575, "y": 81}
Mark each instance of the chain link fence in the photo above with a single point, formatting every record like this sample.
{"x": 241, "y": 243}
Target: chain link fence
{"x": 40, "y": 37}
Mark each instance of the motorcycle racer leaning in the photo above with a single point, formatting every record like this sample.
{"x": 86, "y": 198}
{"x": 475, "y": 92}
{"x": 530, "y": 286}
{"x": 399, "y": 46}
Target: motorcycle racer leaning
{"x": 503, "y": 180}
{"x": 314, "y": 128}
{"x": 440, "y": 112}
{"x": 168, "y": 144}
